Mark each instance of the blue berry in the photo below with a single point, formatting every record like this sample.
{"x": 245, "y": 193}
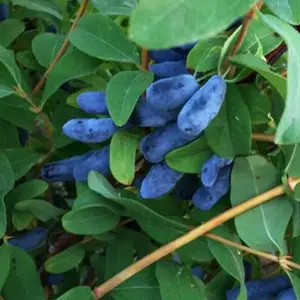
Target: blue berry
{"x": 159, "y": 181}
{"x": 170, "y": 93}
{"x": 165, "y": 55}
{"x": 287, "y": 294}
{"x": 97, "y": 160}
{"x": 93, "y": 102}
{"x": 206, "y": 197}
{"x": 55, "y": 279}
{"x": 203, "y": 107}
{"x": 4, "y": 11}
{"x": 158, "y": 143}
{"x": 168, "y": 69}
{"x": 145, "y": 115}
{"x": 261, "y": 289}
{"x": 61, "y": 170}
{"x": 138, "y": 181}
{"x": 186, "y": 187}
{"x": 186, "y": 48}
{"x": 90, "y": 130}
{"x": 29, "y": 240}
{"x": 198, "y": 272}
{"x": 211, "y": 168}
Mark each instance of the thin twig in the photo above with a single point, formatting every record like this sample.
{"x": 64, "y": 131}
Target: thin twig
{"x": 23, "y": 94}
{"x": 116, "y": 280}
{"x": 263, "y": 137}
{"x": 63, "y": 48}
{"x": 144, "y": 59}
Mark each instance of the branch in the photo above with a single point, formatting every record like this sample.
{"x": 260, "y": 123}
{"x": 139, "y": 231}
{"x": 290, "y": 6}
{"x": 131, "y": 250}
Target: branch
{"x": 63, "y": 48}
{"x": 144, "y": 59}
{"x": 116, "y": 280}
{"x": 263, "y": 137}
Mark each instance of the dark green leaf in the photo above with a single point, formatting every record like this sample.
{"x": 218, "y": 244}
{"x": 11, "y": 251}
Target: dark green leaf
{"x": 262, "y": 227}
{"x": 115, "y": 7}
{"x": 22, "y": 219}
{"x": 7, "y": 179}
{"x": 177, "y": 282}
{"x": 122, "y": 156}
{"x": 9, "y": 135}
{"x": 155, "y": 24}
{"x": 23, "y": 281}
{"x": 229, "y": 133}
{"x": 123, "y": 92}
{"x": 78, "y": 293}
{"x": 189, "y": 158}
{"x": 10, "y": 29}
{"x": 99, "y": 36}
{"x": 5, "y": 265}
{"x": 65, "y": 260}
{"x": 27, "y": 60}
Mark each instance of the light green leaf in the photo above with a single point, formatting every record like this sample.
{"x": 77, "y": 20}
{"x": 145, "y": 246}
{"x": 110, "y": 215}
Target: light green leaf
{"x": 229, "y": 133}
{"x": 98, "y": 36}
{"x": 287, "y": 10}
{"x": 66, "y": 260}
{"x": 261, "y": 67}
{"x": 229, "y": 258}
{"x": 115, "y": 7}
{"x": 292, "y": 158}
{"x": 264, "y": 226}
{"x": 5, "y": 90}
{"x": 10, "y": 29}
{"x": 90, "y": 220}
{"x": 5, "y": 265}
{"x": 295, "y": 280}
{"x": 155, "y": 24}
{"x": 122, "y": 156}
{"x": 189, "y": 158}
{"x": 23, "y": 281}
{"x": 287, "y": 131}
{"x": 22, "y": 219}
{"x": 66, "y": 70}
{"x": 78, "y": 293}
{"x": 177, "y": 283}
{"x": 123, "y": 92}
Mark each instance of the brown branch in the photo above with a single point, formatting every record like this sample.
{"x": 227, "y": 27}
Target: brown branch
{"x": 263, "y": 137}
{"x": 23, "y": 94}
{"x": 116, "y": 280}
{"x": 144, "y": 59}
{"x": 63, "y": 48}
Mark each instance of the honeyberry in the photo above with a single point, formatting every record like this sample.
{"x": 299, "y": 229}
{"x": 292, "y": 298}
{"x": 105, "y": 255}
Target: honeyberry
{"x": 159, "y": 181}
{"x": 170, "y": 93}
{"x": 93, "y": 102}
{"x": 198, "y": 272}
{"x": 158, "y": 143}
{"x": 168, "y": 69}
{"x": 90, "y": 130}
{"x": 287, "y": 294}
{"x": 165, "y": 55}
{"x": 4, "y": 11}
{"x": 203, "y": 107}
{"x": 186, "y": 187}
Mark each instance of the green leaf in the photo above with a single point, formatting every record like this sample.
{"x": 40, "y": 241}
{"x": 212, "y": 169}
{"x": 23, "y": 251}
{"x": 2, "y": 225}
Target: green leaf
{"x": 5, "y": 90}
{"x": 10, "y": 29}
{"x": 123, "y": 92}
{"x": 115, "y": 7}
{"x": 66, "y": 260}
{"x": 91, "y": 220}
{"x": 27, "y": 60}
{"x": 189, "y": 158}
{"x": 5, "y": 265}
{"x": 66, "y": 70}
{"x": 260, "y": 66}
{"x": 23, "y": 281}
{"x": 21, "y": 160}
{"x": 229, "y": 258}
{"x": 98, "y": 36}
{"x": 78, "y": 293}
{"x": 296, "y": 218}
{"x": 7, "y": 178}
{"x": 262, "y": 227}
{"x": 292, "y": 158}
{"x": 205, "y": 55}
{"x": 46, "y": 45}
{"x": 155, "y": 24}
{"x": 229, "y": 133}
{"x": 122, "y": 156}
{"x": 295, "y": 280}
{"x": 9, "y": 136}
{"x": 258, "y": 105}
{"x": 177, "y": 283}
{"x": 22, "y": 219}
{"x": 287, "y": 10}
{"x": 41, "y": 5}
{"x": 287, "y": 131}
{"x": 41, "y": 209}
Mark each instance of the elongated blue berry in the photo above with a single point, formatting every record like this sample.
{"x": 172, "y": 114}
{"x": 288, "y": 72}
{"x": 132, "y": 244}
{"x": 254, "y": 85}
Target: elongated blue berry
{"x": 93, "y": 102}
{"x": 145, "y": 115}
{"x": 260, "y": 289}
{"x": 4, "y": 11}
{"x": 170, "y": 93}
{"x": 90, "y": 130}
{"x": 158, "y": 143}
{"x": 165, "y": 55}
{"x": 203, "y": 107}
{"x": 159, "y": 181}
{"x": 211, "y": 168}
{"x": 198, "y": 272}
{"x": 97, "y": 160}
{"x": 168, "y": 69}
{"x": 61, "y": 170}
{"x": 206, "y": 197}
{"x": 287, "y": 294}
{"x": 29, "y": 240}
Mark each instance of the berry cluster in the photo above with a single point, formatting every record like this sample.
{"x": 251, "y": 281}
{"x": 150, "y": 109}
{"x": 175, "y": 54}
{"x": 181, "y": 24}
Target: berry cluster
{"x": 177, "y": 108}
